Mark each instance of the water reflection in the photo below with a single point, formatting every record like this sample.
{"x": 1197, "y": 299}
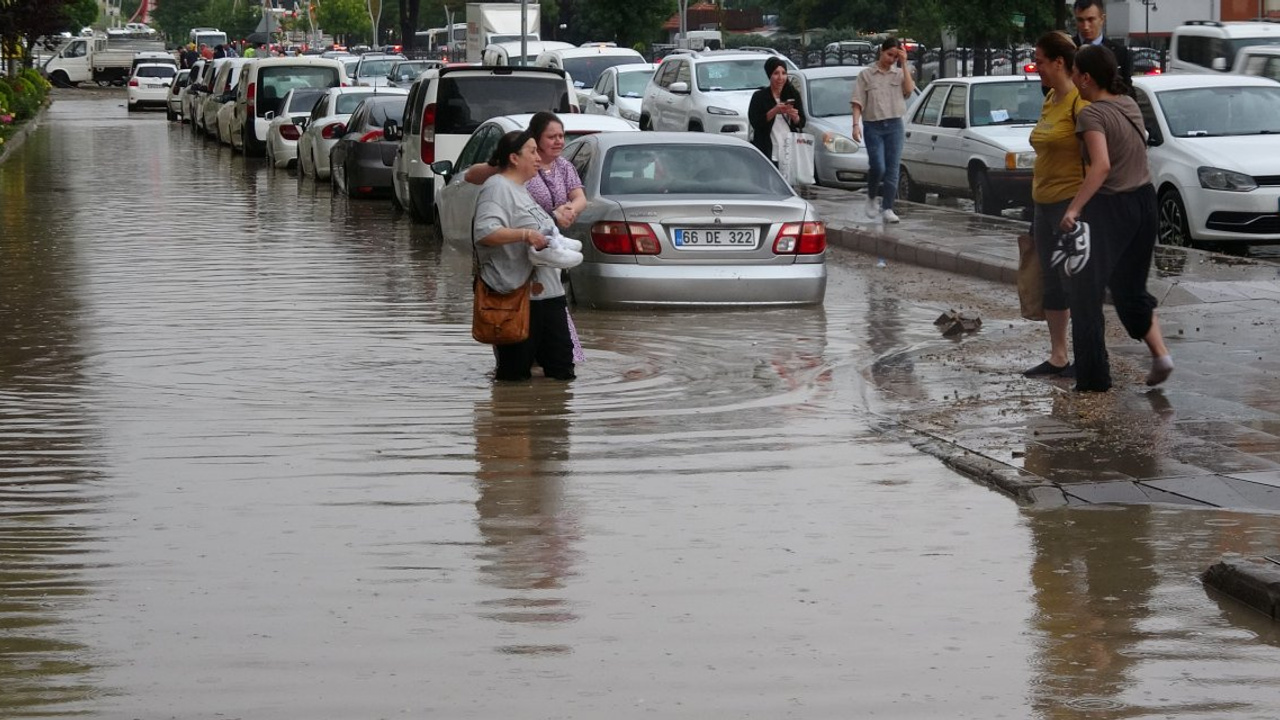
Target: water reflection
{"x": 527, "y": 531}
{"x": 48, "y": 450}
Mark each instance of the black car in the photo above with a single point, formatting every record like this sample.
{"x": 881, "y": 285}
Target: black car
{"x": 360, "y": 162}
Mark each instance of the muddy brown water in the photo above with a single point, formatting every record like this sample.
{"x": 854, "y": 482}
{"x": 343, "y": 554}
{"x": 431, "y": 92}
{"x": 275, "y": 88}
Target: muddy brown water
{"x": 251, "y": 465}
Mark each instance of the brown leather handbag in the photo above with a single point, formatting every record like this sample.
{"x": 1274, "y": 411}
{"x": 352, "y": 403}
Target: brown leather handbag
{"x": 500, "y": 318}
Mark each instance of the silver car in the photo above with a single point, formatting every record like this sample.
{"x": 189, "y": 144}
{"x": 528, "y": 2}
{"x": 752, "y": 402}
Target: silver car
{"x": 839, "y": 160}
{"x": 691, "y": 219}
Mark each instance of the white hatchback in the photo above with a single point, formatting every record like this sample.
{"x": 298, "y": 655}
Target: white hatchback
{"x": 149, "y": 85}
{"x": 326, "y": 124}
{"x": 1214, "y": 150}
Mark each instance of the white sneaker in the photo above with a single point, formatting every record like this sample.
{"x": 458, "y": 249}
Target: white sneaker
{"x": 890, "y": 216}
{"x": 873, "y": 208}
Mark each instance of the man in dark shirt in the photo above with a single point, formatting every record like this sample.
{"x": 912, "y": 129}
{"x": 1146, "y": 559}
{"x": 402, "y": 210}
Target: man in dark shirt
{"x": 1091, "y": 17}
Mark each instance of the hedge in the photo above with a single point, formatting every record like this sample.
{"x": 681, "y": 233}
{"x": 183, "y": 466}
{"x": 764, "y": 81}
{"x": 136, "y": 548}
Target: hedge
{"x": 21, "y": 97}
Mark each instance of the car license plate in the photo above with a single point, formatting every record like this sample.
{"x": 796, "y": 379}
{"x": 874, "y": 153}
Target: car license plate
{"x": 716, "y": 237}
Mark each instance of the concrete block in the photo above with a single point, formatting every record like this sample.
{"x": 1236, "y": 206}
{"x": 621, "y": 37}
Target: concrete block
{"x": 1254, "y": 581}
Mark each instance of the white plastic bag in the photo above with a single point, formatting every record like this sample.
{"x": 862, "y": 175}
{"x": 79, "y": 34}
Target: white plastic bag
{"x": 795, "y": 159}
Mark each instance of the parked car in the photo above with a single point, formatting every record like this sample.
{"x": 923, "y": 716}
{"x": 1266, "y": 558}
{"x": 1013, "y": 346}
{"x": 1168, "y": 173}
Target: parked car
{"x": 360, "y": 161}
{"x": 971, "y": 137}
{"x": 149, "y": 85}
{"x": 705, "y": 92}
{"x": 446, "y": 105}
{"x": 1260, "y": 61}
{"x": 583, "y": 65}
{"x": 618, "y": 92}
{"x": 191, "y": 90}
{"x": 221, "y": 92}
{"x": 404, "y": 72}
{"x": 838, "y": 160}
{"x": 456, "y": 198}
{"x": 685, "y": 219}
{"x": 1214, "y": 150}
{"x": 326, "y": 124}
{"x": 1204, "y": 46}
{"x": 152, "y": 57}
{"x": 508, "y": 53}
{"x": 258, "y": 97}
{"x": 173, "y": 99}
{"x": 373, "y": 68}
{"x": 286, "y": 127}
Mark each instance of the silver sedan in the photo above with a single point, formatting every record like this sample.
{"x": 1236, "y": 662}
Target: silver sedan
{"x": 691, "y": 219}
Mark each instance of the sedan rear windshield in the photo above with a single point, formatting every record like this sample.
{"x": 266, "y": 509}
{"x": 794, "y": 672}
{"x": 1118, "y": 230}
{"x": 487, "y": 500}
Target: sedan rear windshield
{"x": 585, "y": 70}
{"x": 348, "y": 102}
{"x": 375, "y": 68}
{"x": 276, "y": 82}
{"x": 157, "y": 71}
{"x": 1218, "y": 110}
{"x": 465, "y": 102}
{"x": 304, "y": 100}
{"x": 683, "y": 169}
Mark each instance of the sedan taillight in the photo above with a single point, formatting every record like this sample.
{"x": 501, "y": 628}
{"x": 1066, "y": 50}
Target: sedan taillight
{"x": 620, "y": 238}
{"x": 329, "y": 132}
{"x": 371, "y": 136}
{"x": 133, "y": 82}
{"x": 807, "y": 238}
{"x": 290, "y": 132}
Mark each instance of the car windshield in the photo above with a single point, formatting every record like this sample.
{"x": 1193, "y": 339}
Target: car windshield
{"x": 304, "y": 100}
{"x": 375, "y": 68}
{"x": 829, "y": 97}
{"x": 585, "y": 70}
{"x": 688, "y": 169}
{"x": 632, "y": 84}
{"x": 1221, "y": 110}
{"x": 347, "y": 102}
{"x": 745, "y": 74}
{"x": 1005, "y": 103}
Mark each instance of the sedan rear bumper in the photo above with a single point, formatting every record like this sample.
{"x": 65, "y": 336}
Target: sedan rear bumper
{"x": 625, "y": 285}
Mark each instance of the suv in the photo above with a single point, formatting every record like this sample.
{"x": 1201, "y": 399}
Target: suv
{"x": 584, "y": 64}
{"x": 446, "y": 105}
{"x": 1259, "y": 60}
{"x": 705, "y": 91}
{"x": 1202, "y": 46}
{"x": 259, "y": 95}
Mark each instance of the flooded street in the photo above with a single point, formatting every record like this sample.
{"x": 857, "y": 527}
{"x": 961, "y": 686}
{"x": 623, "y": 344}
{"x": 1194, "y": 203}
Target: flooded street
{"x": 252, "y": 465}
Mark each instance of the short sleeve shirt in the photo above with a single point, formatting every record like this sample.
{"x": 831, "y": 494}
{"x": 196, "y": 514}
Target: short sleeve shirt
{"x": 1059, "y": 168}
{"x": 550, "y": 188}
{"x": 504, "y": 204}
{"x": 879, "y": 92}
{"x": 1120, "y": 122}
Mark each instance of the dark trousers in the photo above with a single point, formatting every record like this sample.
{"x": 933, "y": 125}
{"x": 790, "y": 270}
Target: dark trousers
{"x": 1123, "y": 237}
{"x": 549, "y": 344}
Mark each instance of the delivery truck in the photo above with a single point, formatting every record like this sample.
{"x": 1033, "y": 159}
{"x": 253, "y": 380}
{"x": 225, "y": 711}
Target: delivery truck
{"x": 96, "y": 58}
{"x": 498, "y": 22}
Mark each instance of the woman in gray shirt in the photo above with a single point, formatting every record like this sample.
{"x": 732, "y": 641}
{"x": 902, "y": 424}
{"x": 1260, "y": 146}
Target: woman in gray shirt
{"x": 508, "y": 221}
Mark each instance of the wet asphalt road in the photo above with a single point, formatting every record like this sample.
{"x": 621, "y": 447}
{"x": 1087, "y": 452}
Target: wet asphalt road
{"x": 252, "y": 465}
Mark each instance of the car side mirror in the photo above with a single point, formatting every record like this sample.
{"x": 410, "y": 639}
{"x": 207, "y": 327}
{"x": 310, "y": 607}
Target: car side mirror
{"x": 269, "y": 116}
{"x": 954, "y": 122}
{"x": 680, "y": 88}
{"x": 1220, "y": 64}
{"x": 601, "y": 100}
{"x": 392, "y": 132}
{"x": 443, "y": 168}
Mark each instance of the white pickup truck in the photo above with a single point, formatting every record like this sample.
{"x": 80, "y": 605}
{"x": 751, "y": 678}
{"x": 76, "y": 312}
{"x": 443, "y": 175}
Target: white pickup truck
{"x": 96, "y": 59}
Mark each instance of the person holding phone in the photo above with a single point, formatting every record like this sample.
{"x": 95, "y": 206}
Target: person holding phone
{"x": 775, "y": 110}
{"x": 879, "y": 102}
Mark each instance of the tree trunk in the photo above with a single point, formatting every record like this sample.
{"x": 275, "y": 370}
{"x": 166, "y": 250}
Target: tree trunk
{"x": 409, "y": 23}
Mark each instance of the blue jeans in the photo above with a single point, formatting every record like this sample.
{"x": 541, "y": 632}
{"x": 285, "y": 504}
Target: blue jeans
{"x": 883, "y": 139}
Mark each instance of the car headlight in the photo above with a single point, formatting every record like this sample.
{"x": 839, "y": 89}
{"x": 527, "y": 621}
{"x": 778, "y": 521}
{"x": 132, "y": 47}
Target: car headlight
{"x": 1213, "y": 178}
{"x": 631, "y": 115}
{"x": 720, "y": 111}
{"x": 839, "y": 144}
{"x": 1019, "y": 161}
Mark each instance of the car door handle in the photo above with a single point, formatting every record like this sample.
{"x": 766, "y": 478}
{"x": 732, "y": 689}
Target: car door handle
{"x": 934, "y": 138}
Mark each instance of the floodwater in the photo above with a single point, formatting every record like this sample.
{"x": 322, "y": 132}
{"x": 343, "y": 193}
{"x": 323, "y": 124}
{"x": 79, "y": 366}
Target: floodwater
{"x": 252, "y": 465}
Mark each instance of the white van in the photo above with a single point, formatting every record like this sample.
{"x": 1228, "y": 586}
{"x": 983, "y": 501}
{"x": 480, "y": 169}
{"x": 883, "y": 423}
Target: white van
{"x": 446, "y": 105}
{"x": 267, "y": 80}
{"x": 1202, "y": 46}
{"x": 508, "y": 53}
{"x": 584, "y": 64}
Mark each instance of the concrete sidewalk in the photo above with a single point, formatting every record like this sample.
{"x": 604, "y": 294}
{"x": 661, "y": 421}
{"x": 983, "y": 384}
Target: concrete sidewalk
{"x": 1209, "y": 437}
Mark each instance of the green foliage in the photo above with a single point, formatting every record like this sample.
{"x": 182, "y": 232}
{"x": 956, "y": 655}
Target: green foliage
{"x": 24, "y": 97}
{"x": 622, "y": 21}
{"x": 81, "y": 13}
{"x": 345, "y": 18}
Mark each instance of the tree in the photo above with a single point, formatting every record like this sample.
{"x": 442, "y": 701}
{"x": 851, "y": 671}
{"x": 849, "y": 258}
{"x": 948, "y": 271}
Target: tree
{"x": 625, "y": 22}
{"x": 32, "y": 19}
{"x": 343, "y": 18}
{"x": 175, "y": 18}
{"x": 236, "y": 18}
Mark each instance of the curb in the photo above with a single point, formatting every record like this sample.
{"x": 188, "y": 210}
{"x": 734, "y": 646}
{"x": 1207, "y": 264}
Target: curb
{"x": 20, "y": 137}
{"x": 1025, "y": 488}
{"x": 1254, "y": 581}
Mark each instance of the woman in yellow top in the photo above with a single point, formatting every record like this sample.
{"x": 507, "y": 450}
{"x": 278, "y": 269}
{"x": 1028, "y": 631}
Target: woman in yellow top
{"x": 1058, "y": 173}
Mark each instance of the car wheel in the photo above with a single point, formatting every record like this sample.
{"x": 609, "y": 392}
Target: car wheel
{"x": 346, "y": 182}
{"x": 395, "y": 200}
{"x": 1173, "y": 228}
{"x": 170, "y": 115}
{"x": 416, "y": 212}
{"x": 249, "y": 144}
{"x": 437, "y": 230}
{"x": 646, "y": 123}
{"x": 271, "y": 158}
{"x": 132, "y": 107}
{"x": 907, "y": 188}
{"x": 695, "y": 126}
{"x": 61, "y": 79}
{"x": 984, "y": 198}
